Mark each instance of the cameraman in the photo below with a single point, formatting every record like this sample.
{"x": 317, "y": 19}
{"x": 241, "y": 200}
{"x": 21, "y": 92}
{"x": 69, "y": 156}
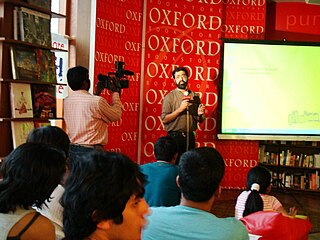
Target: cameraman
{"x": 87, "y": 116}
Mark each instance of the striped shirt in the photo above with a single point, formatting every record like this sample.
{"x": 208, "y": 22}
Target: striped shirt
{"x": 270, "y": 203}
{"x": 87, "y": 117}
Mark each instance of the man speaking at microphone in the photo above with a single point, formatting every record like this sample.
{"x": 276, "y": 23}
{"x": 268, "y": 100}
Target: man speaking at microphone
{"x": 181, "y": 111}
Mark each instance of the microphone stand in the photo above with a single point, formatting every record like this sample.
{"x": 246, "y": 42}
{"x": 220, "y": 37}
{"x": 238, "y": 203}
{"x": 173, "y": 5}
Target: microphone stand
{"x": 188, "y": 123}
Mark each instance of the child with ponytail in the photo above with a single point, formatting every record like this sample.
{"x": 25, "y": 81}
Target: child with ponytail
{"x": 256, "y": 197}
{"x": 263, "y": 215}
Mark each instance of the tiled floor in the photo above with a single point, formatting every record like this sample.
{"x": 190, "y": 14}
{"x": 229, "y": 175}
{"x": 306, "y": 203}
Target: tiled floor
{"x": 308, "y": 204}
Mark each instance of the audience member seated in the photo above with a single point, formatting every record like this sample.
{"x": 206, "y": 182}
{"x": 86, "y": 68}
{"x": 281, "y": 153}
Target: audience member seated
{"x": 161, "y": 188}
{"x": 264, "y": 215}
{"x": 52, "y": 209}
{"x": 256, "y": 197}
{"x": 30, "y": 174}
{"x": 103, "y": 198}
{"x": 200, "y": 172}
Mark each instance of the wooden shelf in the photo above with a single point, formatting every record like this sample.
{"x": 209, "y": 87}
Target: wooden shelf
{"x": 296, "y": 190}
{"x": 22, "y": 43}
{"x": 289, "y": 167}
{"x": 8, "y": 43}
{"x": 303, "y": 170}
{"x": 292, "y": 146}
{"x": 27, "y": 119}
{"x": 28, "y": 81}
{"x": 33, "y": 7}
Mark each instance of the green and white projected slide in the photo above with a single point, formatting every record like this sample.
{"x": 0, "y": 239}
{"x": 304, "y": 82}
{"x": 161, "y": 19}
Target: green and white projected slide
{"x": 270, "y": 89}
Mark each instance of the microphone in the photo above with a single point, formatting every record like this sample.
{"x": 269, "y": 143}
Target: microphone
{"x": 186, "y": 97}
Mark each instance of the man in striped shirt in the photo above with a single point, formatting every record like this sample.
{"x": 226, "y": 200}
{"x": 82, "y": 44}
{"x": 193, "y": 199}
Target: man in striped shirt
{"x": 87, "y": 116}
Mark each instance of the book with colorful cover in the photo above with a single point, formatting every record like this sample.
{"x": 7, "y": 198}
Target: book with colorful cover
{"x": 24, "y": 63}
{"x": 46, "y": 66}
{"x": 20, "y": 131}
{"x": 44, "y": 101}
{"x": 21, "y": 100}
{"x": 34, "y": 27}
{"x": 33, "y": 64}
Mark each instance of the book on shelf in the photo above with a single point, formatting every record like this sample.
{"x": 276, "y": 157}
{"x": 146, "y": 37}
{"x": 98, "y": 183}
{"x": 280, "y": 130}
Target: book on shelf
{"x": 274, "y": 180}
{"x": 301, "y": 160}
{"x": 24, "y": 63}
{"x": 16, "y": 29}
{"x": 21, "y": 100}
{"x": 282, "y": 158}
{"x": 275, "y": 158}
{"x": 297, "y": 160}
{"x": 313, "y": 181}
{"x": 289, "y": 158}
{"x": 262, "y": 154}
{"x": 34, "y": 27}
{"x": 287, "y": 180}
{"x": 44, "y": 101}
{"x": 303, "y": 182}
{"x": 20, "y": 131}
{"x": 310, "y": 181}
{"x": 296, "y": 180}
{"x": 46, "y": 66}
{"x": 308, "y": 161}
{"x": 299, "y": 180}
{"x": 317, "y": 160}
{"x": 33, "y": 64}
{"x": 307, "y": 181}
{"x": 41, "y": 3}
{"x": 311, "y": 161}
{"x": 38, "y": 124}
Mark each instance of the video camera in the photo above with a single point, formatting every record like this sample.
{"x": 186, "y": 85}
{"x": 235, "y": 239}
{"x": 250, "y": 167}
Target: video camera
{"x": 117, "y": 79}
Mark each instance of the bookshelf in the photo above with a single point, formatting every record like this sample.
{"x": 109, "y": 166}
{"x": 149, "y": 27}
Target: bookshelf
{"x": 11, "y": 40}
{"x": 294, "y": 165}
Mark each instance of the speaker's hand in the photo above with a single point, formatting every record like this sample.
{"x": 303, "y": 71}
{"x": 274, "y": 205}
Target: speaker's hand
{"x": 201, "y": 109}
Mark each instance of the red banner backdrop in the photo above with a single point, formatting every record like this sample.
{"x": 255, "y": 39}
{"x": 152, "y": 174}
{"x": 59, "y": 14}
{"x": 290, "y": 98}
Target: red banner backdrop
{"x": 188, "y": 33}
{"x": 239, "y": 157}
{"x": 244, "y": 19}
{"x": 175, "y": 33}
{"x": 118, "y": 38}
{"x": 185, "y": 34}
{"x": 298, "y": 18}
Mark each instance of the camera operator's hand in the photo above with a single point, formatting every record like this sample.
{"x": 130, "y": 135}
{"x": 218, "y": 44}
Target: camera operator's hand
{"x": 113, "y": 87}
{"x": 99, "y": 88}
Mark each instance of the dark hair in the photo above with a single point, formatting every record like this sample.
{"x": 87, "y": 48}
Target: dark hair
{"x": 97, "y": 189}
{"x": 178, "y": 69}
{"x": 165, "y": 148}
{"x": 50, "y": 135}
{"x": 30, "y": 173}
{"x": 261, "y": 176}
{"x": 200, "y": 172}
{"x": 76, "y": 77}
